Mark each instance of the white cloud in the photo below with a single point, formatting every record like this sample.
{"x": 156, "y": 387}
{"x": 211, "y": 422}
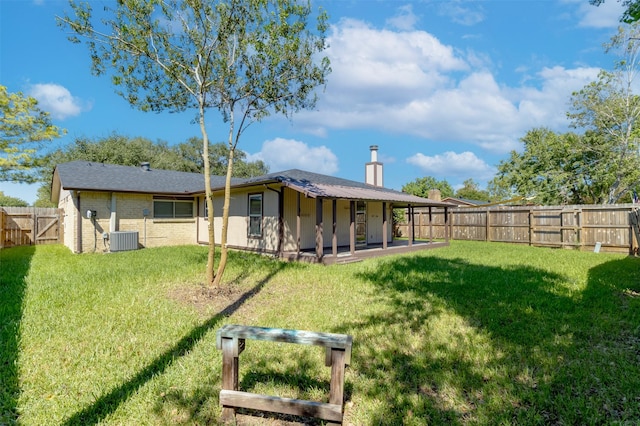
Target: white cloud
{"x": 462, "y": 12}
{"x": 550, "y": 103}
{"x": 410, "y": 83}
{"x": 283, "y": 154}
{"x": 452, "y": 164}
{"x": 56, "y": 100}
{"x": 607, "y": 15}
{"x": 405, "y": 19}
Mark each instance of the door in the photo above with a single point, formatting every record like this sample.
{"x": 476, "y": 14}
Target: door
{"x": 361, "y": 223}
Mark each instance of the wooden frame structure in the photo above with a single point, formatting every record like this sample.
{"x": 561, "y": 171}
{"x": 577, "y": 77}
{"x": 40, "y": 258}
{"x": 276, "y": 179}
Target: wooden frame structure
{"x": 231, "y": 340}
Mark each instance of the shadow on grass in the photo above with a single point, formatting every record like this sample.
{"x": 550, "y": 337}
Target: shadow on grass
{"x": 14, "y": 267}
{"x": 457, "y": 343}
{"x": 298, "y": 375}
{"x": 109, "y": 402}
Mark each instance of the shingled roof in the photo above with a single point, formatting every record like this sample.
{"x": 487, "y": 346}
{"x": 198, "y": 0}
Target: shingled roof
{"x": 91, "y": 176}
{"x": 315, "y": 185}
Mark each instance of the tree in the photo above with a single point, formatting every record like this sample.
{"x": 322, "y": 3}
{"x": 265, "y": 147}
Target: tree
{"x": 113, "y": 149}
{"x": 543, "y": 169}
{"x": 599, "y": 166}
{"x": 422, "y": 186}
{"x": 118, "y": 149}
{"x": 8, "y": 201}
{"x": 557, "y": 169}
{"x": 609, "y": 109}
{"x": 191, "y": 151}
{"x": 24, "y": 128}
{"x": 245, "y": 58}
{"x": 44, "y": 197}
{"x": 471, "y": 191}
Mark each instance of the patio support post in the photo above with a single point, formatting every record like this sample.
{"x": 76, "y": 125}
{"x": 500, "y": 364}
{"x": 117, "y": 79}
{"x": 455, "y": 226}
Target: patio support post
{"x": 298, "y": 223}
{"x": 281, "y": 222}
{"x": 319, "y": 241}
{"x": 384, "y": 226}
{"x": 334, "y": 237}
{"x": 352, "y": 227}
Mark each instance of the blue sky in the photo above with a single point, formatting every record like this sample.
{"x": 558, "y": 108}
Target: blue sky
{"x": 444, "y": 88}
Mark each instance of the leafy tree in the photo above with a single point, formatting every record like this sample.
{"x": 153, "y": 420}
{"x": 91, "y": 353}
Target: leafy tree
{"x": 245, "y": 58}
{"x": 542, "y": 169}
{"x": 118, "y": 149}
{"x": 191, "y": 151}
{"x": 471, "y": 191}
{"x": 24, "y": 128}
{"x": 44, "y": 197}
{"x": 422, "y": 186}
{"x": 497, "y": 191}
{"x": 7, "y": 201}
{"x": 609, "y": 109}
{"x": 557, "y": 169}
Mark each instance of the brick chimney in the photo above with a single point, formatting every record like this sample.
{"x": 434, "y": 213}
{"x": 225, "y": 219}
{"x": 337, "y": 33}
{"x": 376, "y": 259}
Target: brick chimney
{"x": 434, "y": 194}
{"x": 373, "y": 169}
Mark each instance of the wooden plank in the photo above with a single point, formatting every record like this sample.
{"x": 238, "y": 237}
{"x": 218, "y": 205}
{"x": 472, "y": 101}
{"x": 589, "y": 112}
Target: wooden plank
{"x": 634, "y": 219}
{"x": 297, "y": 407}
{"x": 302, "y": 337}
{"x": 319, "y": 230}
{"x": 41, "y": 232}
{"x": 336, "y": 392}
{"x": 230, "y": 372}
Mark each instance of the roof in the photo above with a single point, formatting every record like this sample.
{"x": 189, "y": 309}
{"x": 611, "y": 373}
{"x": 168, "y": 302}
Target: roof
{"x": 315, "y": 185}
{"x": 465, "y": 201}
{"x": 91, "y": 176}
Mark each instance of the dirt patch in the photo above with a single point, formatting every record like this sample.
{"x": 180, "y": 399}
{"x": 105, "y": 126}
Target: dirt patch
{"x": 206, "y": 300}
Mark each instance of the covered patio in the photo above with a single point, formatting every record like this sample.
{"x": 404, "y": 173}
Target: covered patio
{"x": 327, "y": 250}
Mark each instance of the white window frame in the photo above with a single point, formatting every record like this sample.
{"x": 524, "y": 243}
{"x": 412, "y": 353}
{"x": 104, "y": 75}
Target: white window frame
{"x": 252, "y": 216}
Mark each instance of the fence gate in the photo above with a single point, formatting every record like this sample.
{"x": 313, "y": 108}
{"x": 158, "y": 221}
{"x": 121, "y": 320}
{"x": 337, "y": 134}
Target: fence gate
{"x": 21, "y": 226}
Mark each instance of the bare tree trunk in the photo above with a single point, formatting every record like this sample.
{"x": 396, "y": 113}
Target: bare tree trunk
{"x": 208, "y": 198}
{"x": 225, "y": 221}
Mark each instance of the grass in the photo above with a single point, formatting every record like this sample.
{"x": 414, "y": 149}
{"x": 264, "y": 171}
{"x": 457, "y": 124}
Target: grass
{"x": 476, "y": 333}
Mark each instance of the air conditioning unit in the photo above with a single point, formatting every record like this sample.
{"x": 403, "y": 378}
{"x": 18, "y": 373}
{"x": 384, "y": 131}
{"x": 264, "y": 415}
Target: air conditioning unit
{"x": 123, "y": 240}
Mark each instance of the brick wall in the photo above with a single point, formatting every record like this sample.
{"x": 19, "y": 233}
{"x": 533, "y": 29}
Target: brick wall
{"x": 129, "y": 217}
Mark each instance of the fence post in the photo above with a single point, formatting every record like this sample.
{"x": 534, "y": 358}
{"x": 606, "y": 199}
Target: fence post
{"x": 579, "y": 228}
{"x": 2, "y": 232}
{"x": 487, "y": 219}
{"x": 430, "y": 226}
{"x": 634, "y": 226}
{"x": 34, "y": 228}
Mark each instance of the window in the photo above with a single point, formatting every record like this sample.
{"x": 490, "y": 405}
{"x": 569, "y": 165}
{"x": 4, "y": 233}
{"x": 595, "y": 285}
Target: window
{"x": 173, "y": 208}
{"x": 255, "y": 215}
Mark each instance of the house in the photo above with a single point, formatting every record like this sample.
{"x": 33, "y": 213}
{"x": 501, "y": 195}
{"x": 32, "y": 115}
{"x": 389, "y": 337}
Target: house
{"x": 292, "y": 214}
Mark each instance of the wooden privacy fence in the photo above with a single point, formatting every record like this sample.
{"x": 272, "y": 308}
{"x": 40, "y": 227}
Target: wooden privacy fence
{"x": 584, "y": 227}
{"x": 20, "y": 226}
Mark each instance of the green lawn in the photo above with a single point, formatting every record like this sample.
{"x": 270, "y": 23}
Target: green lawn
{"x": 476, "y": 333}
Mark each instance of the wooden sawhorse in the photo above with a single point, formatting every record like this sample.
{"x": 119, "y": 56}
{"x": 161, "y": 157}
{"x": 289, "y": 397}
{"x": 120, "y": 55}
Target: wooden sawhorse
{"x": 231, "y": 340}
